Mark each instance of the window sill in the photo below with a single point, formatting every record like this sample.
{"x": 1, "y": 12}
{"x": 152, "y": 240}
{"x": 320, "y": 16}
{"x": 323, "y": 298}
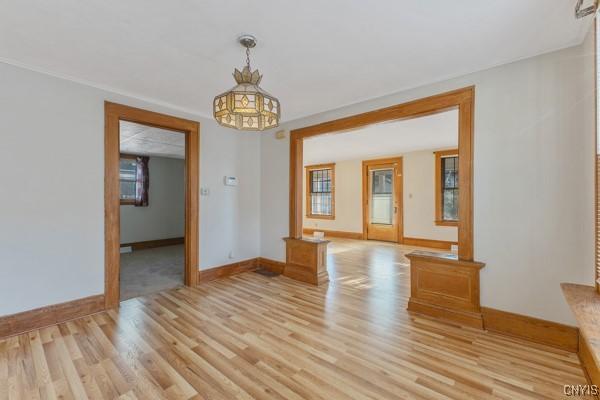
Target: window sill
{"x": 127, "y": 202}
{"x": 446, "y": 223}
{"x": 320, "y": 216}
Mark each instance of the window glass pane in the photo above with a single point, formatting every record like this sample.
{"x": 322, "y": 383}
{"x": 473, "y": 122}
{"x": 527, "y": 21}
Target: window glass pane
{"x": 382, "y": 196}
{"x": 128, "y": 190}
{"x": 450, "y": 171}
{"x": 321, "y": 203}
{"x": 450, "y": 204}
{"x": 382, "y": 181}
{"x": 450, "y": 188}
{"x": 127, "y": 173}
{"x": 127, "y": 169}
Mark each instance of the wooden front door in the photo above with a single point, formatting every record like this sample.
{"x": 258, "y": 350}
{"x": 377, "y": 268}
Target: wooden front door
{"x": 382, "y": 199}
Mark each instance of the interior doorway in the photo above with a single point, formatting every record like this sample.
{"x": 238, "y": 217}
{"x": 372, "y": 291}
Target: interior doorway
{"x": 382, "y": 199}
{"x": 115, "y": 115}
{"x": 454, "y": 205}
{"x": 152, "y": 231}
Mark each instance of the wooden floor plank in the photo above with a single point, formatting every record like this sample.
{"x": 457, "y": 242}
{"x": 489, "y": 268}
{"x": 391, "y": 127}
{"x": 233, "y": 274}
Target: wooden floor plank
{"x": 255, "y": 337}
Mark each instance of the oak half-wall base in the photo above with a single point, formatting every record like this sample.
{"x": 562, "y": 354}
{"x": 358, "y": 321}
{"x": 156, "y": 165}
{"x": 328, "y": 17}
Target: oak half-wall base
{"x": 444, "y": 287}
{"x": 306, "y": 260}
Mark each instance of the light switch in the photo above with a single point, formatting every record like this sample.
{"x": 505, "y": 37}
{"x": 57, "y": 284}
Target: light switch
{"x": 204, "y": 191}
{"x": 230, "y": 181}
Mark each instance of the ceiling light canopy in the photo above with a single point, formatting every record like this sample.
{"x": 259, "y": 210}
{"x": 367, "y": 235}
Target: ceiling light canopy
{"x": 247, "y": 106}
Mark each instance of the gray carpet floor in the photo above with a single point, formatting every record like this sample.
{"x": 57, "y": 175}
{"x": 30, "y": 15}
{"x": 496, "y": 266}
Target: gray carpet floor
{"x": 151, "y": 270}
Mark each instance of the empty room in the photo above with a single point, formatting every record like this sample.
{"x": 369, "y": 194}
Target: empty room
{"x": 299, "y": 200}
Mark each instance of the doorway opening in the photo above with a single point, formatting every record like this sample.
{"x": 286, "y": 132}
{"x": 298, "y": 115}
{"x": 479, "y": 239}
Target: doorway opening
{"x": 446, "y": 197}
{"x": 152, "y": 222}
{"x": 151, "y": 179}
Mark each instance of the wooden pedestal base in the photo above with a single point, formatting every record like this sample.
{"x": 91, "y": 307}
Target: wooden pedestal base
{"x": 306, "y": 260}
{"x": 445, "y": 287}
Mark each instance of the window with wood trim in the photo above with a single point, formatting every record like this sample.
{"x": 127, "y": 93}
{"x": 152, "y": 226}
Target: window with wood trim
{"x": 320, "y": 191}
{"x": 127, "y": 178}
{"x": 446, "y": 187}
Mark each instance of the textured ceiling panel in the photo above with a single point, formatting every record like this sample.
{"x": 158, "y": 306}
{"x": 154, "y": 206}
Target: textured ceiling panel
{"x": 145, "y": 140}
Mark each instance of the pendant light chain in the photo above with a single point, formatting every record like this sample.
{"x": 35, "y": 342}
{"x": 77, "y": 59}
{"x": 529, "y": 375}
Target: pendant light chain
{"x": 248, "y": 57}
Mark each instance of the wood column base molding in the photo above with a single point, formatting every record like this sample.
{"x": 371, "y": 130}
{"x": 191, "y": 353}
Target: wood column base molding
{"x": 336, "y": 234}
{"x": 445, "y": 287}
{"x": 14, "y": 324}
{"x": 431, "y": 243}
{"x": 306, "y": 260}
{"x": 464, "y": 318}
{"x": 537, "y": 330}
{"x": 207, "y": 275}
{"x": 274, "y": 266}
{"x": 150, "y": 244}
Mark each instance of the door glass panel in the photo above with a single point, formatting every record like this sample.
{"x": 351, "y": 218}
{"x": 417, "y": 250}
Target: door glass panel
{"x": 382, "y": 196}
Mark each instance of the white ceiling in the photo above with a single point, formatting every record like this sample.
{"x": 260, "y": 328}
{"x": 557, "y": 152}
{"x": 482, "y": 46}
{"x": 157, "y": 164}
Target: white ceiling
{"x": 147, "y": 141}
{"x": 434, "y": 132}
{"x": 315, "y": 55}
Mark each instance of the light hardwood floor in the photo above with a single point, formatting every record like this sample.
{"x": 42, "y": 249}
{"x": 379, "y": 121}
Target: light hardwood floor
{"x": 251, "y": 336}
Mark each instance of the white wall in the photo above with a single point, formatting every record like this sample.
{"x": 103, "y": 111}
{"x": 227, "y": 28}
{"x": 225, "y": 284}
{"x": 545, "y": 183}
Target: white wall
{"x": 52, "y": 192}
{"x": 534, "y": 165}
{"x": 419, "y": 198}
{"x": 164, "y": 217}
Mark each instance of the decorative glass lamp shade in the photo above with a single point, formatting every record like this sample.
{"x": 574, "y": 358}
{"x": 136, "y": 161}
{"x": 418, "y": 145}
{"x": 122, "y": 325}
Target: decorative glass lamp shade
{"x": 246, "y": 106}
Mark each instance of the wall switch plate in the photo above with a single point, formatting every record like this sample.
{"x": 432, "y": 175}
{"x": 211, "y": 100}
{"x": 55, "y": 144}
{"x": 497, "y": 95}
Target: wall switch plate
{"x": 204, "y": 191}
{"x": 230, "y": 181}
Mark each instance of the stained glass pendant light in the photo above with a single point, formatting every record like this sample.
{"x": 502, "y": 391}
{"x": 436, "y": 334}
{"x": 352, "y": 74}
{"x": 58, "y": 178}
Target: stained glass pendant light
{"x": 247, "y": 106}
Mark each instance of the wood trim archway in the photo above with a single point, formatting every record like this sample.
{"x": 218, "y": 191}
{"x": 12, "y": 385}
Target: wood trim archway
{"x": 114, "y": 113}
{"x": 461, "y": 99}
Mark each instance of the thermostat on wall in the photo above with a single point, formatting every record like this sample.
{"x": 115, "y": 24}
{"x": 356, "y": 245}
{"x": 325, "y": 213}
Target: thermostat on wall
{"x": 230, "y": 181}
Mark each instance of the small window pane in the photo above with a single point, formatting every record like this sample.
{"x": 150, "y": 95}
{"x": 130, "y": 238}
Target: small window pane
{"x": 382, "y": 203}
{"x": 127, "y": 169}
{"x": 127, "y": 178}
{"x": 450, "y": 188}
{"x": 382, "y": 181}
{"x": 127, "y": 190}
{"x": 451, "y": 204}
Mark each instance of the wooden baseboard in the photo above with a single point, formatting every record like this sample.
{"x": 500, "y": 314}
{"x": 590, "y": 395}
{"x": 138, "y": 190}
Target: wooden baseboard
{"x": 430, "y": 243}
{"x": 466, "y": 318}
{"x": 550, "y": 333}
{"x": 224, "y": 271}
{"x": 14, "y": 324}
{"x": 272, "y": 265}
{"x": 150, "y": 244}
{"x": 336, "y": 234}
